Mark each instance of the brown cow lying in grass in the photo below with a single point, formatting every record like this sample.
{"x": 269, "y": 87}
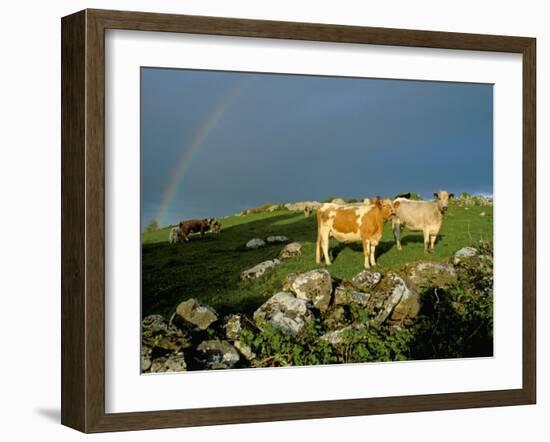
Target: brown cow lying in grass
{"x": 357, "y": 222}
{"x": 202, "y": 226}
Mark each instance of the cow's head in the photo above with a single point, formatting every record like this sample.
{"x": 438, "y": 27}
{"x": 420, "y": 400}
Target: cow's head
{"x": 442, "y": 197}
{"x": 214, "y": 225}
{"x": 387, "y": 207}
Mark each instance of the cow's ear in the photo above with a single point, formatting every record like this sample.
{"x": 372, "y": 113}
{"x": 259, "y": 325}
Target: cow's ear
{"x": 396, "y": 204}
{"x": 451, "y": 195}
{"x": 436, "y": 195}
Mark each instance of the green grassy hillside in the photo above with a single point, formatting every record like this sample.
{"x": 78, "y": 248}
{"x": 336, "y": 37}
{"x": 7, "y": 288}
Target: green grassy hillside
{"x": 209, "y": 269}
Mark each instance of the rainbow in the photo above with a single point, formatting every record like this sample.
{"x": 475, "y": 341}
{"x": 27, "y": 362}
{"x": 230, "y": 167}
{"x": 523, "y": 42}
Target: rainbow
{"x": 182, "y": 165}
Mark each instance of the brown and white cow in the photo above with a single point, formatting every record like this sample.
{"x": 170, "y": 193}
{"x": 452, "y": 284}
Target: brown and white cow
{"x": 352, "y": 223}
{"x": 424, "y": 216}
{"x": 198, "y": 225}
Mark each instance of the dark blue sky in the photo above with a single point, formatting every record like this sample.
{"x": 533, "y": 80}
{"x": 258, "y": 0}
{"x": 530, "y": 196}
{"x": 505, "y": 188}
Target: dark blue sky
{"x": 215, "y": 143}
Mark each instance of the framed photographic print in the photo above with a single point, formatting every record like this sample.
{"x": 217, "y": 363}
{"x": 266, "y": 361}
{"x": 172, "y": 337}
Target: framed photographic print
{"x": 267, "y": 220}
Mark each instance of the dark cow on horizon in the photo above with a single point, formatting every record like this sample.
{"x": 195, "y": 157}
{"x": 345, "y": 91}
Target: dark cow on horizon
{"x": 202, "y": 226}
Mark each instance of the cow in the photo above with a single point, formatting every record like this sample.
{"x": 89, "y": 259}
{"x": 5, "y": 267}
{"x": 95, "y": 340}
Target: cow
{"x": 175, "y": 235}
{"x": 198, "y": 225}
{"x": 347, "y": 223}
{"x": 424, "y": 216}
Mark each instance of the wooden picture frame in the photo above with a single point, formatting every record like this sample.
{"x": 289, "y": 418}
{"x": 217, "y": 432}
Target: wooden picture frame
{"x": 83, "y": 220}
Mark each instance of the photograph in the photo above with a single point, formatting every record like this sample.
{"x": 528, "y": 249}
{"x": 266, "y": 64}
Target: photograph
{"x": 302, "y": 220}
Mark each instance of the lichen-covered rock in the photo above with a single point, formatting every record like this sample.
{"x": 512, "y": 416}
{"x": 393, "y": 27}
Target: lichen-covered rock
{"x": 300, "y": 206}
{"x": 400, "y": 301}
{"x": 291, "y": 250}
{"x": 289, "y": 280}
{"x": 169, "y": 363}
{"x": 216, "y": 354}
{"x": 154, "y": 323}
{"x": 431, "y": 274}
{"x": 338, "y": 201}
{"x": 157, "y": 332}
{"x": 335, "y": 317}
{"x": 233, "y": 327}
{"x": 347, "y": 295}
{"x": 200, "y": 315}
{"x": 315, "y": 286}
{"x": 259, "y": 269}
{"x": 146, "y": 353}
{"x": 276, "y": 239}
{"x": 245, "y": 350}
{"x": 464, "y": 253}
{"x": 366, "y": 280}
{"x": 255, "y": 243}
{"x": 337, "y": 337}
{"x": 285, "y": 312}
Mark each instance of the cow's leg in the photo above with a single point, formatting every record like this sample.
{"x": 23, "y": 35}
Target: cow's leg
{"x": 396, "y": 227}
{"x": 432, "y": 241}
{"x": 372, "y": 253}
{"x": 325, "y": 248}
{"x": 366, "y": 251}
{"x": 426, "y": 241}
{"x": 318, "y": 249}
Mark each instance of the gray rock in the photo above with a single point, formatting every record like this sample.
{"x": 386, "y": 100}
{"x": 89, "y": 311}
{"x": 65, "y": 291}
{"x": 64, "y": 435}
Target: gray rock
{"x": 289, "y": 280}
{"x": 196, "y": 313}
{"x": 366, "y": 280}
{"x": 170, "y": 363}
{"x": 431, "y": 274}
{"x": 233, "y": 327}
{"x": 291, "y": 250}
{"x": 255, "y": 243}
{"x": 285, "y": 312}
{"x": 345, "y": 295}
{"x": 400, "y": 301}
{"x": 154, "y": 324}
{"x": 337, "y": 337}
{"x": 300, "y": 206}
{"x": 276, "y": 239}
{"x": 338, "y": 201}
{"x": 259, "y": 269}
{"x": 245, "y": 350}
{"x": 464, "y": 253}
{"x": 157, "y": 332}
{"x": 315, "y": 286}
{"x": 145, "y": 358}
{"x": 482, "y": 214}
{"x": 335, "y": 317}
{"x": 217, "y": 354}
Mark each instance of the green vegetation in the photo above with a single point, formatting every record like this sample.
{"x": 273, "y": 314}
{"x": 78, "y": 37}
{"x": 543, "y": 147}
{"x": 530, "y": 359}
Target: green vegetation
{"x": 152, "y": 226}
{"x": 209, "y": 269}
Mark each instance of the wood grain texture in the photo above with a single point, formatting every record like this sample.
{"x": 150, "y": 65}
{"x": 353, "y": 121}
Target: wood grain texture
{"x": 529, "y": 221}
{"x": 83, "y": 220}
{"x": 73, "y": 253}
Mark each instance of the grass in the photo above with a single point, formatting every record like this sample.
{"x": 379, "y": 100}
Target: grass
{"x": 209, "y": 269}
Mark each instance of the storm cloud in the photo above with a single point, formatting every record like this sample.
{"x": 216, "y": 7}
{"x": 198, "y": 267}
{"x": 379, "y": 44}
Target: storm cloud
{"x": 214, "y": 143}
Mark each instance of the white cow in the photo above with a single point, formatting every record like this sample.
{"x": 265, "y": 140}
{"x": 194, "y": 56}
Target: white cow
{"x": 175, "y": 235}
{"x": 424, "y": 216}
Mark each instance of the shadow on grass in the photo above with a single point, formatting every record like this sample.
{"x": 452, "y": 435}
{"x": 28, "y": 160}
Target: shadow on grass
{"x": 382, "y": 248}
{"x": 418, "y": 238}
